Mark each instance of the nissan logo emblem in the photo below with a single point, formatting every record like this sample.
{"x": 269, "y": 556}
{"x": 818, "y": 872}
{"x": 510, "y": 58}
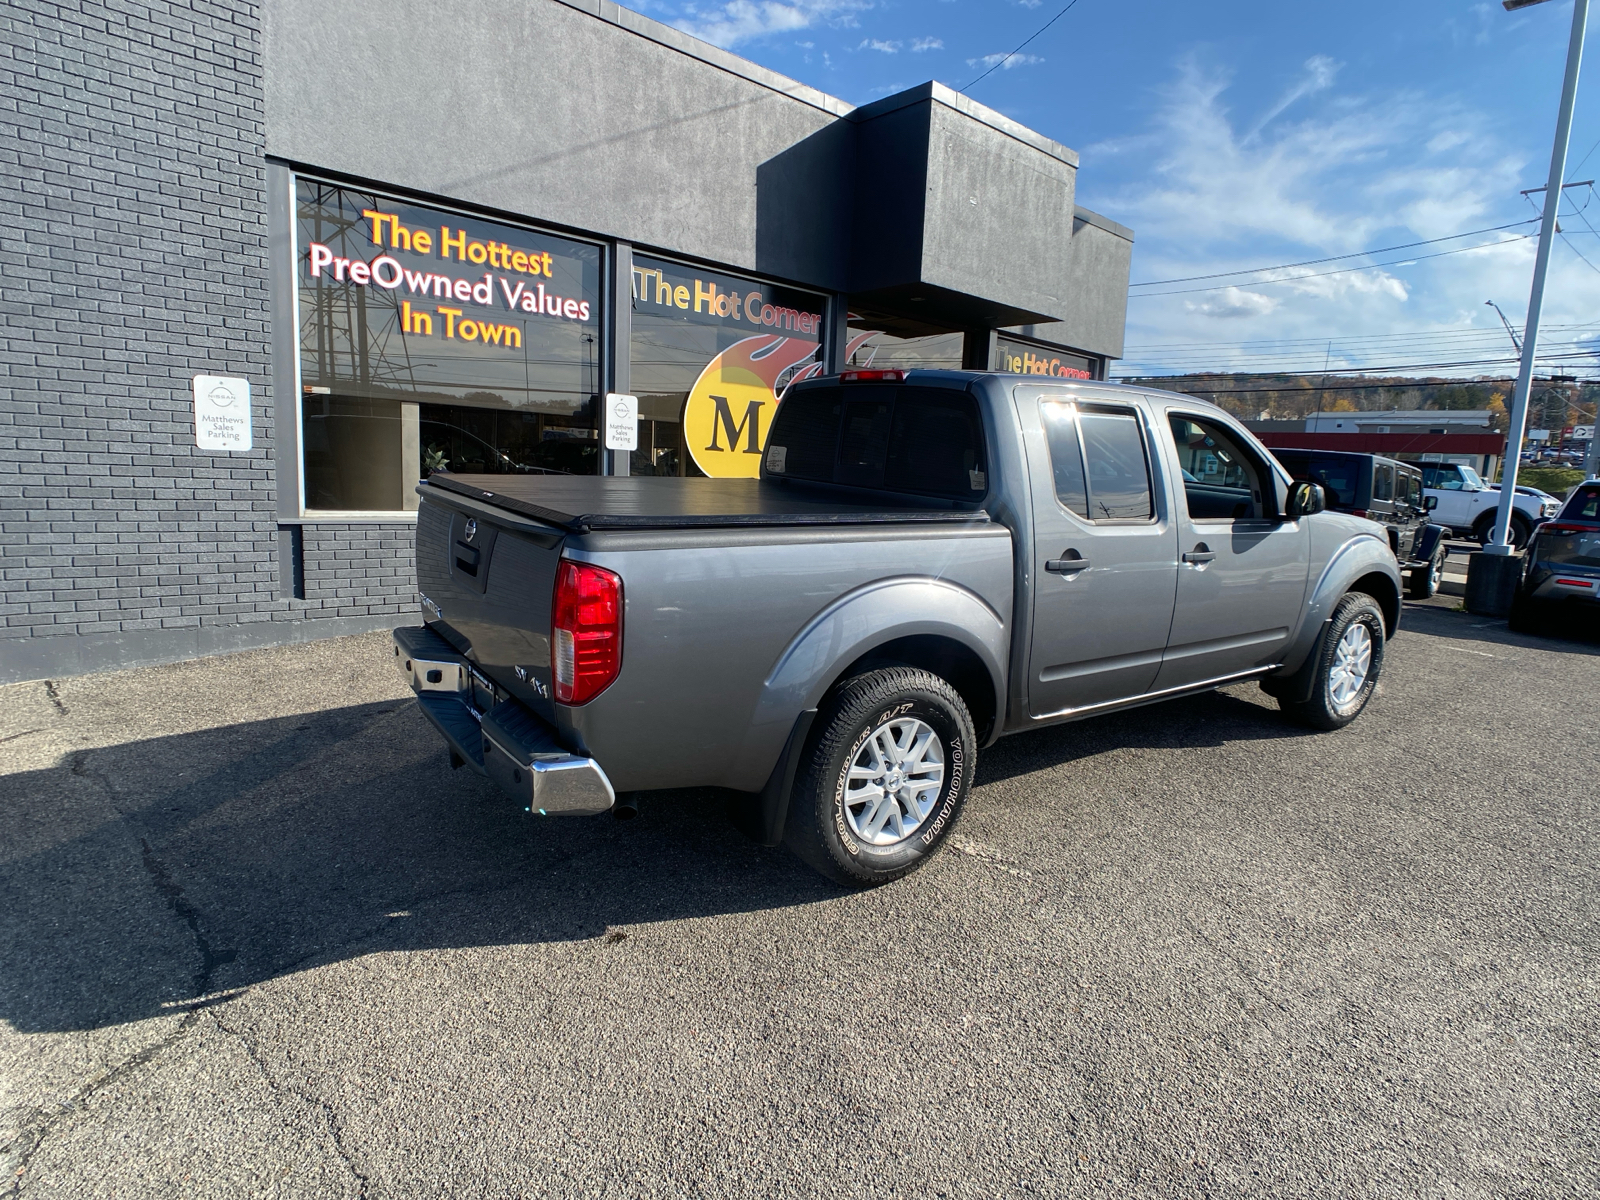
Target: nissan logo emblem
{"x": 472, "y": 528}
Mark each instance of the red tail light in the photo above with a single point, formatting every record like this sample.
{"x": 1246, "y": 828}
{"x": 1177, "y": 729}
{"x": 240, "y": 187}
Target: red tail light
{"x": 1358, "y": 512}
{"x": 873, "y": 377}
{"x": 585, "y": 631}
{"x": 1555, "y": 529}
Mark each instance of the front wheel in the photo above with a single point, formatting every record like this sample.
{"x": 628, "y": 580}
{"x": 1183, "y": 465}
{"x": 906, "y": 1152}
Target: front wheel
{"x": 1349, "y": 661}
{"x": 1423, "y": 583}
{"x": 884, "y": 779}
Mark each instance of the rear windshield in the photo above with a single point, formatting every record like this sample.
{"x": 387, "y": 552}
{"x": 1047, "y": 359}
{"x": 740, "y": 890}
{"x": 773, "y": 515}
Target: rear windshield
{"x": 1584, "y": 505}
{"x": 1340, "y": 477}
{"x": 905, "y": 439}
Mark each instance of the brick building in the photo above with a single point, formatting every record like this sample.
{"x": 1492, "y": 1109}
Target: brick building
{"x": 219, "y": 192}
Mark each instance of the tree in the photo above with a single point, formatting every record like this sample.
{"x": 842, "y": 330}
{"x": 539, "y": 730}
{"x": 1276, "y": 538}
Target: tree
{"x": 1497, "y": 413}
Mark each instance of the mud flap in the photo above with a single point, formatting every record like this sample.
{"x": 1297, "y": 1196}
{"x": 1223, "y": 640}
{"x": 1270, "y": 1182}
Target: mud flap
{"x": 1296, "y": 687}
{"x": 762, "y": 815}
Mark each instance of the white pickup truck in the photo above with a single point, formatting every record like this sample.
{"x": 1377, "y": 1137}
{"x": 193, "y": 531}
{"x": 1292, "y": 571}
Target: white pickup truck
{"x": 1467, "y": 505}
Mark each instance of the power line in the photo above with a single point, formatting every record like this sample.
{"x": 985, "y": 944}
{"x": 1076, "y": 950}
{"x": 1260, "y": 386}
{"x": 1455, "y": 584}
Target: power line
{"x": 1357, "y": 337}
{"x": 1332, "y": 387}
{"x": 1399, "y": 262}
{"x": 1313, "y": 262}
{"x": 1018, "y": 50}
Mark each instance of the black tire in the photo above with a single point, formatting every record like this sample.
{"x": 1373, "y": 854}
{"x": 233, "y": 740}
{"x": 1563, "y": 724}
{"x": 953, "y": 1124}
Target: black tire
{"x": 1521, "y": 530}
{"x": 1423, "y": 583}
{"x": 1322, "y": 711}
{"x": 1528, "y": 616}
{"x": 831, "y": 835}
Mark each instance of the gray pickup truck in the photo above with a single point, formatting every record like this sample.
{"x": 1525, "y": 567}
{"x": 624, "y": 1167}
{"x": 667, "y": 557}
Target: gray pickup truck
{"x": 929, "y": 560}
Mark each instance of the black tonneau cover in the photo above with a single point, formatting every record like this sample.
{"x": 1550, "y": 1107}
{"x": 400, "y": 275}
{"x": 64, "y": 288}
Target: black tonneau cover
{"x": 583, "y": 503}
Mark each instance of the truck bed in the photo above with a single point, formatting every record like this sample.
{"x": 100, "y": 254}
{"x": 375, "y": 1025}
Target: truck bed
{"x": 589, "y": 503}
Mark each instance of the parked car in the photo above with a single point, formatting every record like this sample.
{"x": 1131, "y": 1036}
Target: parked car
{"x": 1467, "y": 506}
{"x": 1384, "y": 490}
{"x": 1561, "y": 569}
{"x": 929, "y": 560}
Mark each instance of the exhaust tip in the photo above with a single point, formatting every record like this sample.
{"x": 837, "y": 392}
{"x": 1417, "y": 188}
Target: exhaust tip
{"x": 626, "y": 808}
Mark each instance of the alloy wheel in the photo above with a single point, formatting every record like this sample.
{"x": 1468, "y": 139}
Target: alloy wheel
{"x": 1352, "y": 662}
{"x": 894, "y": 782}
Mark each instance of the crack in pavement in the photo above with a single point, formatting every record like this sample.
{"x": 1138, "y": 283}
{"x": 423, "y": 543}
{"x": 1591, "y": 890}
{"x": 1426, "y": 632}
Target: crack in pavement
{"x": 210, "y": 959}
{"x": 329, "y": 1117}
{"x": 19, "y": 1152}
{"x": 53, "y": 694}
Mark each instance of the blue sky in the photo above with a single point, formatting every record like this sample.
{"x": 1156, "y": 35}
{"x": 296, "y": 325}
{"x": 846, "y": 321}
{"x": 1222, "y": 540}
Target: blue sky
{"x": 1232, "y": 135}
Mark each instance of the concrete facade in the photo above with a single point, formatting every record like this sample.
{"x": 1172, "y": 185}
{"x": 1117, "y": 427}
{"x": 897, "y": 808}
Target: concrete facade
{"x": 149, "y": 156}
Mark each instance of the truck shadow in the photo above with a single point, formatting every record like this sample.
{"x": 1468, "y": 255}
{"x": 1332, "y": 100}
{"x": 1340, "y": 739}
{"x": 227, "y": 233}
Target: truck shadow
{"x": 143, "y": 877}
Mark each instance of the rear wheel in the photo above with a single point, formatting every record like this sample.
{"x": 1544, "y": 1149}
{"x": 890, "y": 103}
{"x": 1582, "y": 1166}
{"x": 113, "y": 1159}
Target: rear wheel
{"x": 1520, "y": 529}
{"x": 1425, "y": 580}
{"x": 884, "y": 780}
{"x": 1349, "y": 661}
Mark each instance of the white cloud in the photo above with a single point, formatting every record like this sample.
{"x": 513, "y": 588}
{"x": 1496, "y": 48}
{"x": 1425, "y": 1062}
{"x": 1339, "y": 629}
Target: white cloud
{"x": 927, "y": 43}
{"x": 1233, "y": 302}
{"x": 1322, "y": 170}
{"x": 881, "y": 46}
{"x": 1014, "y": 60}
{"x": 1318, "y": 77}
{"x": 736, "y": 21}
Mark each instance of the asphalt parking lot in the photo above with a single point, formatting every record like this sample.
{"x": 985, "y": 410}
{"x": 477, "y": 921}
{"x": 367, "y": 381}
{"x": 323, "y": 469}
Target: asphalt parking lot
{"x": 260, "y": 941}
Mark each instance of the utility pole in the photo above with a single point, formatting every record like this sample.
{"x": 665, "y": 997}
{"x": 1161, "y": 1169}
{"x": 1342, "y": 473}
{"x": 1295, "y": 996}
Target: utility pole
{"x": 1497, "y": 571}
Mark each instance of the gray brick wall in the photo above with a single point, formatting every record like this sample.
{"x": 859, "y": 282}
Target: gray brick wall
{"x": 133, "y": 233}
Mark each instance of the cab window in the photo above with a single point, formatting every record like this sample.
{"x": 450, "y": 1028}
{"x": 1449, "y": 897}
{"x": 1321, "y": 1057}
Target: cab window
{"x": 1221, "y": 482}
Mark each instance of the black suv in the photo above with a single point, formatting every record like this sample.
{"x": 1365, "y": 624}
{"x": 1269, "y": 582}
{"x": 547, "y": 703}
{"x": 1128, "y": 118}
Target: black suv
{"x": 1384, "y": 490}
{"x": 1561, "y": 569}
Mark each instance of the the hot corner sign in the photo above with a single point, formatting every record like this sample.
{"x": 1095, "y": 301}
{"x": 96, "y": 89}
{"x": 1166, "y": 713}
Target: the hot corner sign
{"x": 731, "y": 405}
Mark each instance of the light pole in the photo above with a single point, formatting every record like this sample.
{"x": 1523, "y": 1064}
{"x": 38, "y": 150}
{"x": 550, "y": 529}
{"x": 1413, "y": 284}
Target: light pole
{"x": 1496, "y": 571}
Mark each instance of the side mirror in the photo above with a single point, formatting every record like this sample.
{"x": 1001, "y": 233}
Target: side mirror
{"x": 1430, "y": 502}
{"x": 1305, "y": 499}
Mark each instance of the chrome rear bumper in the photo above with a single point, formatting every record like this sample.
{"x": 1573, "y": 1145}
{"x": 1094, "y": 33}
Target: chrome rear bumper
{"x": 494, "y": 734}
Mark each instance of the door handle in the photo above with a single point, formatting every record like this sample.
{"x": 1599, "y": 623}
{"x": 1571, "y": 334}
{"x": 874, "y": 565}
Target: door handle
{"x": 1068, "y": 565}
{"x": 1199, "y": 556}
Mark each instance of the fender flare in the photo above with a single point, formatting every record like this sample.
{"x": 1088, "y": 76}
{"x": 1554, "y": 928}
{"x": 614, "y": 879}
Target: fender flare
{"x": 1362, "y": 555}
{"x": 849, "y": 628}
{"x": 1432, "y": 535}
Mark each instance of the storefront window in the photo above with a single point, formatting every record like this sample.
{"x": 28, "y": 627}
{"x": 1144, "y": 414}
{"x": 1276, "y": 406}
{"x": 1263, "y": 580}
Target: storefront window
{"x": 432, "y": 341}
{"x": 871, "y": 346}
{"x": 1036, "y": 358}
{"x": 712, "y": 354}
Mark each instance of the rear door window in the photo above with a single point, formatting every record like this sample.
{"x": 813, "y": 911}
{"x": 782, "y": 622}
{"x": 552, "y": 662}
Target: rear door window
{"x": 1382, "y": 481}
{"x": 1066, "y": 455}
{"x": 1117, "y": 465}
